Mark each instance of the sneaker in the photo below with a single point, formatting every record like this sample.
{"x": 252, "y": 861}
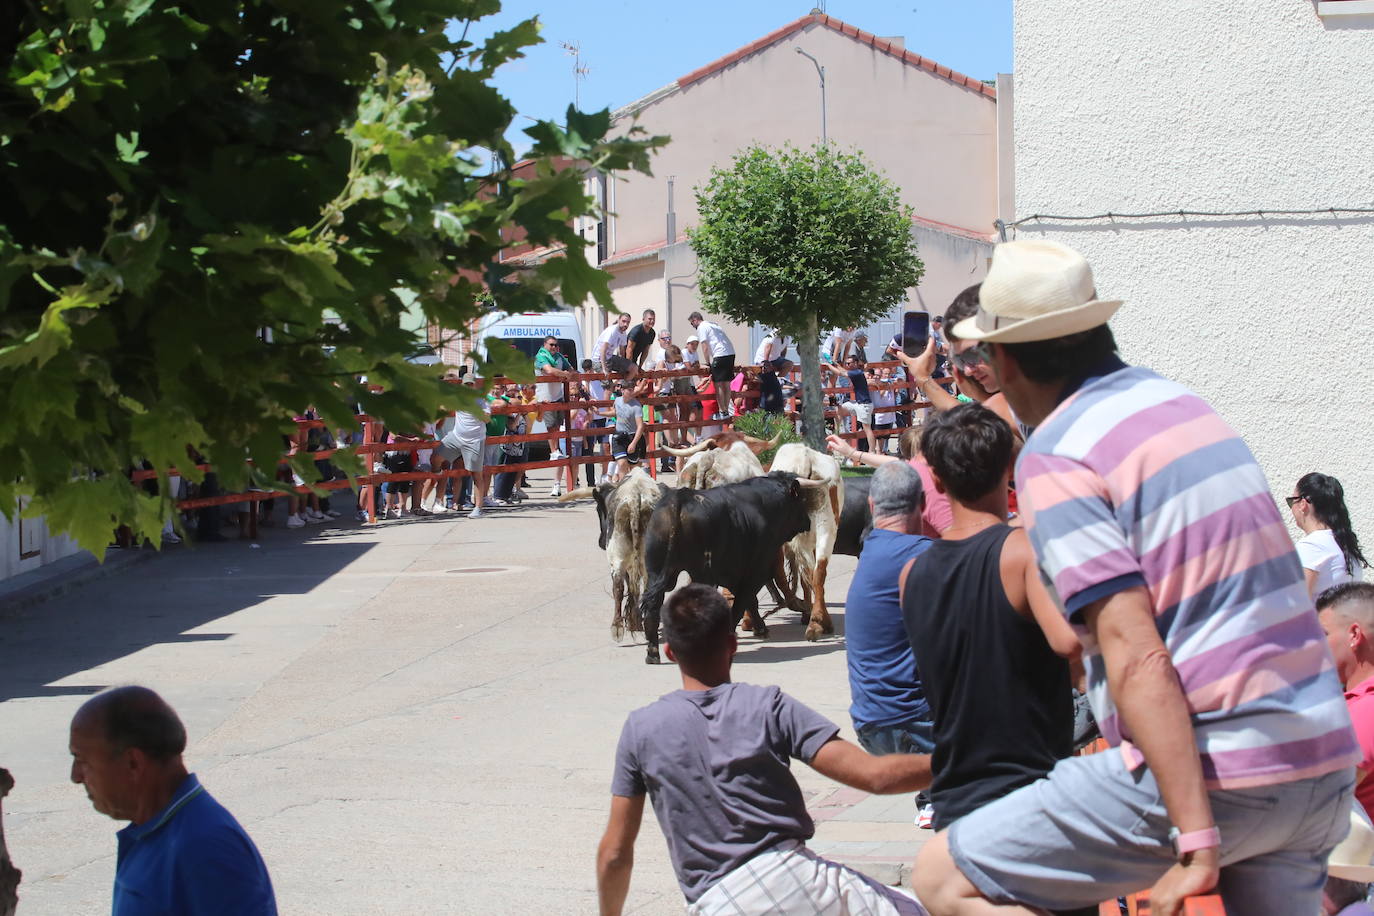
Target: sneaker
{"x": 170, "y": 537}
{"x": 557, "y": 491}
{"x": 477, "y": 513}
{"x": 466, "y": 506}
{"x": 420, "y": 511}
{"x": 316, "y": 514}
{"x": 333, "y": 513}
{"x": 313, "y": 519}
{"x": 501, "y": 502}
{"x": 925, "y": 818}
{"x": 557, "y": 455}
{"x": 362, "y": 515}
{"x": 295, "y": 521}
{"x": 720, "y": 416}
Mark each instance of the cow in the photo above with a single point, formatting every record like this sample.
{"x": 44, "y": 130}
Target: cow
{"x": 727, "y": 457}
{"x": 727, "y": 536}
{"x": 811, "y": 549}
{"x": 623, "y": 511}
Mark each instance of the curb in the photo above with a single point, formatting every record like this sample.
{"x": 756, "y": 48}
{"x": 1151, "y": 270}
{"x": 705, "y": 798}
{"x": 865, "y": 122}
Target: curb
{"x": 65, "y": 575}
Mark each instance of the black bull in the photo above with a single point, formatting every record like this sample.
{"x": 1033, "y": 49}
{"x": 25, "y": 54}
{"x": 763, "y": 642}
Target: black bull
{"x": 727, "y": 536}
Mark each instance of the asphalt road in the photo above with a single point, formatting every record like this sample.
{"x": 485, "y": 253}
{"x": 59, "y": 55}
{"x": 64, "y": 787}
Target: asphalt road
{"x": 416, "y": 717}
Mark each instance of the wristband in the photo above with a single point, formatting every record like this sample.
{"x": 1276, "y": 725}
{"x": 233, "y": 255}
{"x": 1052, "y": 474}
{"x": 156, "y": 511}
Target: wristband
{"x": 1185, "y": 843}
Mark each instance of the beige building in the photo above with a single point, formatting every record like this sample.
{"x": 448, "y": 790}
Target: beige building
{"x": 934, "y": 132}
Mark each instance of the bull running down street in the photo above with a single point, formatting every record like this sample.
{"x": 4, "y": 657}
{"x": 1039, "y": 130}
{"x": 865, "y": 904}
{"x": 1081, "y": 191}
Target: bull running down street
{"x": 728, "y": 536}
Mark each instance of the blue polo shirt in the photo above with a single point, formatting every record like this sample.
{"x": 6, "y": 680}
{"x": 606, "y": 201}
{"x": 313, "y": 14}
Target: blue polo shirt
{"x": 884, "y": 686}
{"x": 192, "y": 858}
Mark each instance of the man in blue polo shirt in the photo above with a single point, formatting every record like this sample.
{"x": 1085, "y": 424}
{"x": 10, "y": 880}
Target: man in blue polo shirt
{"x": 183, "y": 852}
{"x": 888, "y": 708}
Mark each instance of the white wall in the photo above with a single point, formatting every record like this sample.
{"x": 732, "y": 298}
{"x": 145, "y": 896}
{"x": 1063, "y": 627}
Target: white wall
{"x": 26, "y": 545}
{"x": 1183, "y": 104}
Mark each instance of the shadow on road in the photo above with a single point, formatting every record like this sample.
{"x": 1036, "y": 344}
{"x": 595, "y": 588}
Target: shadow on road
{"x": 154, "y": 603}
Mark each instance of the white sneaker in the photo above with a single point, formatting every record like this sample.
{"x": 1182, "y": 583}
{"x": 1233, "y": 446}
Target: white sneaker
{"x": 314, "y": 518}
{"x": 333, "y": 513}
{"x": 393, "y": 513}
{"x": 170, "y": 537}
{"x": 295, "y": 521}
{"x": 362, "y": 515}
{"x": 557, "y": 491}
{"x": 477, "y": 513}
{"x": 556, "y": 455}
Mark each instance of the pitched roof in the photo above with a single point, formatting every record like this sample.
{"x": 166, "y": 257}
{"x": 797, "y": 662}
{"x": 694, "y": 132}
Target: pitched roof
{"x": 883, "y": 46}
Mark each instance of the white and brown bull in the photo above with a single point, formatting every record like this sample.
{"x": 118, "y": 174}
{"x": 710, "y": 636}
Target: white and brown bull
{"x": 727, "y": 457}
{"x": 623, "y": 509}
{"x": 811, "y": 550}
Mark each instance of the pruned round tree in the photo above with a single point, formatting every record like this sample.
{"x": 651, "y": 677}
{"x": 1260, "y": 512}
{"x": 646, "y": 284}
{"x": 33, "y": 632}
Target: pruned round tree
{"x": 803, "y": 240}
{"x": 219, "y": 212}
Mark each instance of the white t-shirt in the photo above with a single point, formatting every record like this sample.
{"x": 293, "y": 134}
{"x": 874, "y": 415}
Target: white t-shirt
{"x": 770, "y": 348}
{"x": 691, "y": 357}
{"x": 883, "y": 397}
{"x": 714, "y": 338}
{"x": 610, "y": 343}
{"x": 1318, "y": 552}
{"x": 596, "y": 389}
{"x": 839, "y": 342}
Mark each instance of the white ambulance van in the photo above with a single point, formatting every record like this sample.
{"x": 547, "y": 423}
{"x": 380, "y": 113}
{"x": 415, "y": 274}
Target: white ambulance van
{"x": 526, "y": 332}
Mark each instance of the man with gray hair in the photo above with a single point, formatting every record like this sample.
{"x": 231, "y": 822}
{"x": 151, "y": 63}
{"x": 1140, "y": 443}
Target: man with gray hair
{"x": 182, "y": 852}
{"x": 887, "y": 705}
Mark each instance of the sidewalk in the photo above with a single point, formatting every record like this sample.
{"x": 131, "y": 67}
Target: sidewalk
{"x": 414, "y": 717}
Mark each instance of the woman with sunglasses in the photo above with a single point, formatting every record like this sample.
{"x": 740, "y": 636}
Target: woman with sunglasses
{"x": 1329, "y": 550}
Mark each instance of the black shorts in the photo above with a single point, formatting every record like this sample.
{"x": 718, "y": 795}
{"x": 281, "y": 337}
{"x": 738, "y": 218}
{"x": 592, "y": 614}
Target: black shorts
{"x": 618, "y": 364}
{"x": 723, "y": 368}
{"x": 620, "y": 447}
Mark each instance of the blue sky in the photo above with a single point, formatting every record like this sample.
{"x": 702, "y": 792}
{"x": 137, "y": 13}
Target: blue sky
{"x": 632, "y": 47}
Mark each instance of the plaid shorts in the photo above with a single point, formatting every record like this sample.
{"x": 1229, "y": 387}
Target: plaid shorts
{"x": 789, "y": 878}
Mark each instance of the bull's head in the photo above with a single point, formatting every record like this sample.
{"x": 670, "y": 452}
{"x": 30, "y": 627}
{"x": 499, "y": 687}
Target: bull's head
{"x": 603, "y": 494}
{"x": 794, "y": 517}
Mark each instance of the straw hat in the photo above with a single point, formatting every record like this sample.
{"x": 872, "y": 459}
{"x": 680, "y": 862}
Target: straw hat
{"x": 1352, "y": 856}
{"x": 1036, "y": 290}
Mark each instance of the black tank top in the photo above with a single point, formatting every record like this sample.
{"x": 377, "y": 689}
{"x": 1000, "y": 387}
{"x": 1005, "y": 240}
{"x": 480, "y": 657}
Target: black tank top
{"x": 999, "y": 696}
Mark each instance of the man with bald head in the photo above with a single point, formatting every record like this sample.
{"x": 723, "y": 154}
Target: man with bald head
{"x": 182, "y": 851}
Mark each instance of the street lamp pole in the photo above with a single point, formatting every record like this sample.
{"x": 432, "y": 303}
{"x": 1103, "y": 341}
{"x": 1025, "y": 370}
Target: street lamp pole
{"x": 820, "y": 72}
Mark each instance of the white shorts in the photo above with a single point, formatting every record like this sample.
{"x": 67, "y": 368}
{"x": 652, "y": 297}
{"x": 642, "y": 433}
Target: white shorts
{"x": 789, "y": 878}
{"x": 862, "y": 412}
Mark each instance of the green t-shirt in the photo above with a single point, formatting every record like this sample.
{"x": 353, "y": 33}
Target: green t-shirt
{"x": 496, "y": 426}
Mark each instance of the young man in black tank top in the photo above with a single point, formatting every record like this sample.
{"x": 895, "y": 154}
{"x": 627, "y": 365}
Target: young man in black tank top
{"x": 989, "y": 642}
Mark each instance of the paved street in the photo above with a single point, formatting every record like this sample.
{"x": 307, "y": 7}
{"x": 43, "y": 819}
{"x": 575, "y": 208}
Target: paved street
{"x": 418, "y": 717}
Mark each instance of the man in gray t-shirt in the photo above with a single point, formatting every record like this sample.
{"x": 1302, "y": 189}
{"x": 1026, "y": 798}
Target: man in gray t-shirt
{"x": 714, "y": 759}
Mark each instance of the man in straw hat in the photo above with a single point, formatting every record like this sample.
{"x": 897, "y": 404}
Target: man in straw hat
{"x": 1349, "y": 871}
{"x": 1232, "y": 749}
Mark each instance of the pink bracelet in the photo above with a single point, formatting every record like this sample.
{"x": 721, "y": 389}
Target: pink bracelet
{"x": 1185, "y": 843}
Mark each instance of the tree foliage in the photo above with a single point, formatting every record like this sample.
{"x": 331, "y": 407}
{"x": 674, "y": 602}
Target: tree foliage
{"x": 177, "y": 178}
{"x": 803, "y": 240}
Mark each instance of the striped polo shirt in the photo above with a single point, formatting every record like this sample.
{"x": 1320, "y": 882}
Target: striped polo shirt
{"x": 1134, "y": 480}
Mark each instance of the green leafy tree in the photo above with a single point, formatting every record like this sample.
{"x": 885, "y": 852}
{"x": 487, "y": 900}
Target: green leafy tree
{"x": 218, "y": 212}
{"x": 801, "y": 240}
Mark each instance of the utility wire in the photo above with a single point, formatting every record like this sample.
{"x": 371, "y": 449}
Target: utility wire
{"x": 1003, "y": 226}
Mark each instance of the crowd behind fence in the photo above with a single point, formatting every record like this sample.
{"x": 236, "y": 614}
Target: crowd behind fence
{"x": 565, "y": 467}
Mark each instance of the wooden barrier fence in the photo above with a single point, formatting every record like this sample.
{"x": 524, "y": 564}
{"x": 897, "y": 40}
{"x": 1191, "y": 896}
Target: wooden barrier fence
{"x": 567, "y": 465}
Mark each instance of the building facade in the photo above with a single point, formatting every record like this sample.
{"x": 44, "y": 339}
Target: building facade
{"x": 1260, "y": 111}
{"x": 932, "y": 131}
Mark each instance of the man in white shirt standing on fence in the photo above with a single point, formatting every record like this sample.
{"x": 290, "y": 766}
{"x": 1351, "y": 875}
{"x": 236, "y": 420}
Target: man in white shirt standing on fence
{"x": 719, "y": 354}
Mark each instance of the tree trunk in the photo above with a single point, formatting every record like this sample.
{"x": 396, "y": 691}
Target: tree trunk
{"x": 813, "y": 402}
{"x": 9, "y": 875}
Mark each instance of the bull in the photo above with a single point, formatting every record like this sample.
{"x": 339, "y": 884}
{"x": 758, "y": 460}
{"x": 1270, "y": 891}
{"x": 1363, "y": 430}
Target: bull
{"x": 727, "y": 457}
{"x": 623, "y": 511}
{"x": 727, "y": 536}
{"x": 812, "y": 548}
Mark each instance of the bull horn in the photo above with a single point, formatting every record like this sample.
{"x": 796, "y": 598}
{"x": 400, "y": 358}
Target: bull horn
{"x": 580, "y": 493}
{"x": 757, "y": 445}
{"x": 701, "y": 446}
{"x": 807, "y": 482}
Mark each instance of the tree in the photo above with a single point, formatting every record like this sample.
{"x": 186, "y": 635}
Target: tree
{"x": 179, "y": 180}
{"x": 801, "y": 240}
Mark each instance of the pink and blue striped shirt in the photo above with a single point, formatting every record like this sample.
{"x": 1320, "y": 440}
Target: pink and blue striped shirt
{"x": 1135, "y": 480}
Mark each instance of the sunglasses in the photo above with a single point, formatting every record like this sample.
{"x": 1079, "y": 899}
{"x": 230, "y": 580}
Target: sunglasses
{"x": 1292, "y": 499}
{"x": 975, "y": 356}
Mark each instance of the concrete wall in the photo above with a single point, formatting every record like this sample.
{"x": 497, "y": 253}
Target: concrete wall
{"x": 26, "y": 544}
{"x": 1147, "y": 109}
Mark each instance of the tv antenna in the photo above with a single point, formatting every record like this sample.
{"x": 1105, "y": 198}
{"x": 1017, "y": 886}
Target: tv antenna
{"x": 580, "y": 70}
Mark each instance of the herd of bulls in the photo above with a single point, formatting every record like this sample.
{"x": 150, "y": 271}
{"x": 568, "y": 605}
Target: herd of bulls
{"x": 732, "y": 524}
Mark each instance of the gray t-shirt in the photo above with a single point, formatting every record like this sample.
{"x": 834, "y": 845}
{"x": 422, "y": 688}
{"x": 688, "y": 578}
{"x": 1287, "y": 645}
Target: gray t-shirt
{"x": 715, "y": 765}
{"x": 628, "y": 411}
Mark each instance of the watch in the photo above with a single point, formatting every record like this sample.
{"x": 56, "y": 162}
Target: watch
{"x": 1185, "y": 843}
